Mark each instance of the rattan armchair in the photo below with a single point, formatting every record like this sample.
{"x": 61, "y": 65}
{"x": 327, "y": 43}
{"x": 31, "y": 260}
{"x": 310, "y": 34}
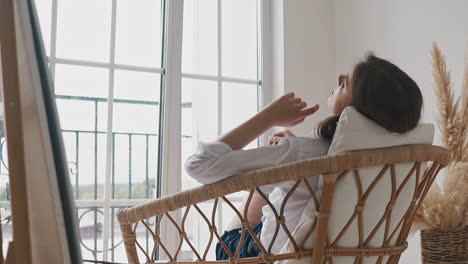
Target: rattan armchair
{"x": 333, "y": 169}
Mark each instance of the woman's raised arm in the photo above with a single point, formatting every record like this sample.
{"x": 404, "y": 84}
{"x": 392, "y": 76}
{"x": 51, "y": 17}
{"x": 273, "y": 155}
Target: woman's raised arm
{"x": 287, "y": 110}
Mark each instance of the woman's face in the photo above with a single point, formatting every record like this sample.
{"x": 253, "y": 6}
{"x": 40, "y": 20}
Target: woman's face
{"x": 340, "y": 97}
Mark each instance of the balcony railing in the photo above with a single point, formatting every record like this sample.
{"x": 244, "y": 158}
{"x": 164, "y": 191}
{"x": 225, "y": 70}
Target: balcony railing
{"x": 89, "y": 198}
{"x": 88, "y": 184}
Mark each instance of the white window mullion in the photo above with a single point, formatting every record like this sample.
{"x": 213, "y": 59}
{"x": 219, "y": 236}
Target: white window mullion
{"x": 53, "y": 38}
{"x": 108, "y": 65}
{"x": 221, "y": 78}
{"x": 171, "y": 122}
{"x": 264, "y": 61}
{"x": 171, "y": 109}
{"x": 109, "y": 140}
{"x": 220, "y": 69}
{"x": 220, "y": 96}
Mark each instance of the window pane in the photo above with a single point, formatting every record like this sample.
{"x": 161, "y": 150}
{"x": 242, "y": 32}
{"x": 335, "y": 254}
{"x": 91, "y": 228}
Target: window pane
{"x": 117, "y": 249}
{"x": 134, "y": 166}
{"x": 102, "y": 117}
{"x": 140, "y": 163}
{"x": 90, "y": 222}
{"x": 239, "y": 38}
{"x": 4, "y": 180}
{"x": 198, "y": 233}
{"x": 81, "y": 81}
{"x": 199, "y": 46}
{"x": 71, "y": 140}
{"x": 204, "y": 96}
{"x": 187, "y": 117}
{"x": 86, "y": 164}
{"x": 85, "y": 145}
{"x": 44, "y": 12}
{"x": 135, "y": 135}
{"x": 76, "y": 114}
{"x": 133, "y": 85}
{"x": 121, "y": 183}
{"x": 7, "y": 228}
{"x": 138, "y": 33}
{"x": 83, "y": 30}
{"x": 135, "y": 150}
{"x": 239, "y": 104}
{"x": 136, "y": 118}
{"x": 187, "y": 150}
{"x": 199, "y": 119}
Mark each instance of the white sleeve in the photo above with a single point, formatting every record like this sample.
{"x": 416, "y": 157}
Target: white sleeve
{"x": 216, "y": 160}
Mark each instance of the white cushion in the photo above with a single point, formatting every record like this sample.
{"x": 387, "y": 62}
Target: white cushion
{"x": 356, "y": 132}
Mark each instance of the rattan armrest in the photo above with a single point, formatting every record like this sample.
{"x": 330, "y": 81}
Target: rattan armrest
{"x": 285, "y": 172}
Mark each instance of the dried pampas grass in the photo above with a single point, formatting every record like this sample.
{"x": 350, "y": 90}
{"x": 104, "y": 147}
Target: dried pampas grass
{"x": 454, "y": 195}
{"x": 448, "y": 120}
{"x": 446, "y": 206}
{"x": 464, "y": 129}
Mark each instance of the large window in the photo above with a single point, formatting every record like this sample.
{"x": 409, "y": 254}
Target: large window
{"x": 106, "y": 59}
{"x": 114, "y": 83}
{"x": 221, "y": 82}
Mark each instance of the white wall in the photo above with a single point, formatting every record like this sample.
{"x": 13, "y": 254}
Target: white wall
{"x": 313, "y": 41}
{"x": 403, "y": 31}
{"x": 304, "y": 61}
{"x": 325, "y": 38}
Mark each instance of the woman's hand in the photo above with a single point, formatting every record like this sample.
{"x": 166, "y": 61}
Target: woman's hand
{"x": 278, "y": 136}
{"x": 287, "y": 111}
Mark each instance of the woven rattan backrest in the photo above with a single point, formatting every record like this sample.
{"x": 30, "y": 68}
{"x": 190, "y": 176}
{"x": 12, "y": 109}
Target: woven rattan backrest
{"x": 173, "y": 238}
{"x": 370, "y": 207}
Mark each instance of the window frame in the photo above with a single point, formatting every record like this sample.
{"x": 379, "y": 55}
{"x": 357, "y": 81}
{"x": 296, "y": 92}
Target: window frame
{"x": 172, "y": 176}
{"x": 169, "y": 176}
{"x": 108, "y": 204}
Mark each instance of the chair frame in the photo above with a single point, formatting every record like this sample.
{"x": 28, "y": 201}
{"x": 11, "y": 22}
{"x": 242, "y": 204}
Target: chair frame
{"x": 331, "y": 168}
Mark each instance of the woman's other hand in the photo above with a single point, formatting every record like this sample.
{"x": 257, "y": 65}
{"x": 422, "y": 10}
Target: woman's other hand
{"x": 288, "y": 110}
{"x": 278, "y": 136}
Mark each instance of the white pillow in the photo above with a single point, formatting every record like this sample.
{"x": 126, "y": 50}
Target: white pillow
{"x": 356, "y": 132}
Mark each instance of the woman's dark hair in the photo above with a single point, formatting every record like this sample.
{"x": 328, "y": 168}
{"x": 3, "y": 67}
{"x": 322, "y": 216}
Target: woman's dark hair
{"x": 383, "y": 93}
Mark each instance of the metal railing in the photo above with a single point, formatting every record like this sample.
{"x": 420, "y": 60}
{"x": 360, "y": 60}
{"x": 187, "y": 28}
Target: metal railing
{"x": 89, "y": 200}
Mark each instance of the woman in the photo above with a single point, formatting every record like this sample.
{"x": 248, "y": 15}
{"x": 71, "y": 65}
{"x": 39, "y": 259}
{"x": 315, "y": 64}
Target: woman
{"x": 376, "y": 88}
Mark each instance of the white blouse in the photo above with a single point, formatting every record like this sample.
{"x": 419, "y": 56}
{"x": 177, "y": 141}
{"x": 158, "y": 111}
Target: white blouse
{"x": 214, "y": 161}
